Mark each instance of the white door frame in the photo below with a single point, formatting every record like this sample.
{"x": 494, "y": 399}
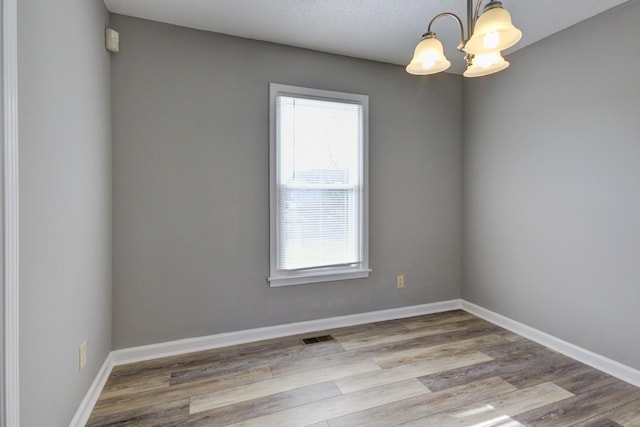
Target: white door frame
{"x": 9, "y": 249}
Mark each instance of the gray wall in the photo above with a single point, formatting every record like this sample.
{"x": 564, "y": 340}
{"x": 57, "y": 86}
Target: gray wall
{"x": 552, "y": 186}
{"x": 191, "y": 209}
{"x": 65, "y": 191}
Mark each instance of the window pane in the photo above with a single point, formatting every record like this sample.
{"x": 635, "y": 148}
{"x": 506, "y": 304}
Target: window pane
{"x": 319, "y": 140}
{"x": 319, "y": 171}
{"x": 318, "y": 227}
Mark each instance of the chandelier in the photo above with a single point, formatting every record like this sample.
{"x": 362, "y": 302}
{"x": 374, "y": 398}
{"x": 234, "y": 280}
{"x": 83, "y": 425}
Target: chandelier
{"x": 487, "y": 36}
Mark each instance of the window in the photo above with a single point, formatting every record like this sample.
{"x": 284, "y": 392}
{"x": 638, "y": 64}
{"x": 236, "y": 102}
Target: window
{"x": 318, "y": 185}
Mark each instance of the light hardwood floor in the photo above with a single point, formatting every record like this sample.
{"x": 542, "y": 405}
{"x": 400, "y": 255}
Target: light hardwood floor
{"x": 446, "y": 369}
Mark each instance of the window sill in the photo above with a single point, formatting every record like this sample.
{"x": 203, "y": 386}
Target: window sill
{"x": 302, "y": 279}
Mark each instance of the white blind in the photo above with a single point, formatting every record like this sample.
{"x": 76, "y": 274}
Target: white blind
{"x": 320, "y": 145}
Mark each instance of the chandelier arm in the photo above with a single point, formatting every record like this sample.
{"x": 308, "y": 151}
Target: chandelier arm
{"x": 470, "y": 20}
{"x": 454, "y": 16}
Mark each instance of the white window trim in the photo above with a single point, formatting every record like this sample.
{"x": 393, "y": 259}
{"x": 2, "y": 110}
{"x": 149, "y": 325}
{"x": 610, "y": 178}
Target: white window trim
{"x": 9, "y": 216}
{"x": 286, "y": 278}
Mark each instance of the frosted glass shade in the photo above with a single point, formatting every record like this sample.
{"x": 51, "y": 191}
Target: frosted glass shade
{"x": 486, "y": 63}
{"x": 493, "y": 31}
{"x": 428, "y": 58}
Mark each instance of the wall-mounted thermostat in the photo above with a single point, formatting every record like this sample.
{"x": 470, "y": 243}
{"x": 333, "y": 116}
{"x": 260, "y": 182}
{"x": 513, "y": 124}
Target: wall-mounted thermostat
{"x": 112, "y": 40}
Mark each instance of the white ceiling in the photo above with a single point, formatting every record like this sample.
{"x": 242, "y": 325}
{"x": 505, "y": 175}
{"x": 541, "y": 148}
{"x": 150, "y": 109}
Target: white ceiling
{"x": 381, "y": 30}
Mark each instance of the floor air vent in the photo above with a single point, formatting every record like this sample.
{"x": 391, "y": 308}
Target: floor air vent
{"x": 314, "y": 340}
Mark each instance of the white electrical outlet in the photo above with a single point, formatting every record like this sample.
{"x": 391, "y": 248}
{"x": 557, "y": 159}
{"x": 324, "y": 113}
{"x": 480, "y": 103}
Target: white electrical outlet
{"x": 83, "y": 354}
{"x": 400, "y": 281}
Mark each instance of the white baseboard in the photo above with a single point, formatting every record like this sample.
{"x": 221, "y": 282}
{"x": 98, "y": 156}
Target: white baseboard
{"x": 172, "y": 348}
{"x": 86, "y": 406}
{"x": 597, "y": 361}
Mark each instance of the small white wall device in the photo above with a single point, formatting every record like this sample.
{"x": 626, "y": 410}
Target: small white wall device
{"x": 112, "y": 40}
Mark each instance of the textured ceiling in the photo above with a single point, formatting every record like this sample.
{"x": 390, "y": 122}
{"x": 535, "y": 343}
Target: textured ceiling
{"x": 381, "y": 30}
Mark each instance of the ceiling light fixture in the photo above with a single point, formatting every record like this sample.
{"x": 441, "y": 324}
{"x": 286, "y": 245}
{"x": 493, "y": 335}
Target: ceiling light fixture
{"x": 487, "y": 35}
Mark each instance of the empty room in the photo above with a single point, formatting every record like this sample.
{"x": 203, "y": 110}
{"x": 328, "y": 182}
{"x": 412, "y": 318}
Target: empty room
{"x": 320, "y": 213}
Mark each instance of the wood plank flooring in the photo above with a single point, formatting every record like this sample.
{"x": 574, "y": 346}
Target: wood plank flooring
{"x": 446, "y": 369}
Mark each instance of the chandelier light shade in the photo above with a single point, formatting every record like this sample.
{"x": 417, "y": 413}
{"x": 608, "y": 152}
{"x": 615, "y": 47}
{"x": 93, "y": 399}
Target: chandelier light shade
{"x": 487, "y": 35}
{"x": 484, "y": 64}
{"x": 428, "y": 58}
{"x": 493, "y": 31}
